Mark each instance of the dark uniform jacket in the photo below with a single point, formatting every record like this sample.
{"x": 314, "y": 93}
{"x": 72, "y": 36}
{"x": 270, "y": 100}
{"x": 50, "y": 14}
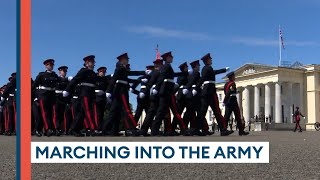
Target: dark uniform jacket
{"x": 163, "y": 85}
{"x": 230, "y": 91}
{"x": 194, "y": 79}
{"x": 155, "y": 74}
{"x": 47, "y": 80}
{"x": 209, "y": 75}
{"x": 297, "y": 115}
{"x": 102, "y": 85}
{"x": 62, "y": 84}
{"x": 182, "y": 82}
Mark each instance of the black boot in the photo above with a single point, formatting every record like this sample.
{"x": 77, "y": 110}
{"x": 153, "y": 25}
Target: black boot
{"x": 243, "y": 133}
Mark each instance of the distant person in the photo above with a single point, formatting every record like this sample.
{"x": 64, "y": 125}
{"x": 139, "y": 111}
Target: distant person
{"x": 297, "y": 118}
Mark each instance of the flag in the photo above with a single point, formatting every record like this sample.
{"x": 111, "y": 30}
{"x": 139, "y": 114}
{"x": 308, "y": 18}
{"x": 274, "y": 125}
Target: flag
{"x": 157, "y": 53}
{"x": 281, "y": 38}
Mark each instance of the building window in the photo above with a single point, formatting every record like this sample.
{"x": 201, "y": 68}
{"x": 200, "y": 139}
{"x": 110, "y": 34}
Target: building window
{"x": 220, "y": 97}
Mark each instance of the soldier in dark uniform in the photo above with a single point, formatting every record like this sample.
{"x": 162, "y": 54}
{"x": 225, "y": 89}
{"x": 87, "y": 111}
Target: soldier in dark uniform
{"x": 297, "y": 118}
{"x": 165, "y": 87}
{"x": 10, "y": 105}
{"x": 231, "y": 103}
{"x": 142, "y": 100}
{"x": 118, "y": 92}
{"x": 1, "y": 112}
{"x": 60, "y": 105}
{"x": 181, "y": 91}
{"x": 86, "y": 79}
{"x": 154, "y": 98}
{"x": 209, "y": 95}
{"x": 46, "y": 83}
{"x": 101, "y": 100}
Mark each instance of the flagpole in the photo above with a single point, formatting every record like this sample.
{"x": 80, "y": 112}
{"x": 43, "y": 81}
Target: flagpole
{"x": 279, "y": 47}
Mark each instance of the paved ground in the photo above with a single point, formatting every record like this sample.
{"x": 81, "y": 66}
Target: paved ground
{"x": 292, "y": 156}
{"x": 7, "y": 157}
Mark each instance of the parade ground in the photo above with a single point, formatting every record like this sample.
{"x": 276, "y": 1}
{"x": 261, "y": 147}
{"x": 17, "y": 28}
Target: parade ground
{"x": 292, "y": 156}
{"x": 8, "y": 157}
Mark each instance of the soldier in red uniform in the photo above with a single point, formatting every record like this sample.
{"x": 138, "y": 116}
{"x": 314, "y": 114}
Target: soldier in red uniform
{"x": 297, "y": 118}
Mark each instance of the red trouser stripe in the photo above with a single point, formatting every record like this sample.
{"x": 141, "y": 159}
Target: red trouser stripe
{"x": 5, "y": 119}
{"x": 43, "y": 113}
{"x": 54, "y": 117}
{"x": 65, "y": 122}
{"x": 215, "y": 100}
{"x": 178, "y": 116}
{"x": 95, "y": 114}
{"x": 85, "y": 123}
{"x": 124, "y": 101}
{"x": 86, "y": 104}
{"x": 168, "y": 124}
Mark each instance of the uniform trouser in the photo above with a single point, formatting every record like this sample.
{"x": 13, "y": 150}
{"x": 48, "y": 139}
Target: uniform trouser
{"x": 297, "y": 125}
{"x": 87, "y": 112}
{"x": 71, "y": 112}
{"x": 192, "y": 108}
{"x": 150, "y": 115}
{"x": 211, "y": 101}
{"x": 120, "y": 103}
{"x": 32, "y": 119}
{"x": 59, "y": 113}
{"x": 38, "y": 126}
{"x": 47, "y": 103}
{"x": 165, "y": 102}
{"x": 233, "y": 107}
{"x": 10, "y": 115}
{"x": 143, "y": 104}
{"x": 181, "y": 104}
{"x": 1, "y": 121}
{"x": 99, "y": 110}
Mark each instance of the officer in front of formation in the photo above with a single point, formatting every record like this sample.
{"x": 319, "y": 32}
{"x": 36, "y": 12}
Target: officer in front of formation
{"x": 297, "y": 119}
{"x": 231, "y": 104}
{"x": 45, "y": 84}
{"x": 86, "y": 79}
{"x": 61, "y": 102}
{"x": 165, "y": 88}
{"x": 209, "y": 95}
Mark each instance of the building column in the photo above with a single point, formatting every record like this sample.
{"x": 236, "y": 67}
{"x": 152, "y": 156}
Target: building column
{"x": 267, "y": 101}
{"x": 289, "y": 102}
{"x": 256, "y": 100}
{"x": 278, "y": 103}
{"x": 301, "y": 104}
{"x": 246, "y": 105}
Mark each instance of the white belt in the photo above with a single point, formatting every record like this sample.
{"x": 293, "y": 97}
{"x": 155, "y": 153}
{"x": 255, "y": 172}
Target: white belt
{"x": 11, "y": 95}
{"x": 75, "y": 97}
{"x": 194, "y": 86}
{"x": 58, "y": 91}
{"x": 143, "y": 87}
{"x": 46, "y": 88}
{"x": 122, "y": 82}
{"x": 98, "y": 91}
{"x": 87, "y": 84}
{"x": 233, "y": 95}
{"x": 208, "y": 82}
{"x": 169, "y": 80}
{"x": 154, "y": 86}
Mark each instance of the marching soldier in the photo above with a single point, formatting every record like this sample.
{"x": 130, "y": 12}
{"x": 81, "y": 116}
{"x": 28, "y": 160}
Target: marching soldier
{"x": 118, "y": 92}
{"x": 2, "y": 130}
{"x": 297, "y": 118}
{"x": 154, "y": 98}
{"x": 142, "y": 101}
{"x": 231, "y": 103}
{"x": 10, "y": 105}
{"x": 86, "y": 79}
{"x": 60, "y": 105}
{"x": 165, "y": 87}
{"x": 101, "y": 100}
{"x": 46, "y": 82}
{"x": 209, "y": 95}
{"x": 181, "y": 91}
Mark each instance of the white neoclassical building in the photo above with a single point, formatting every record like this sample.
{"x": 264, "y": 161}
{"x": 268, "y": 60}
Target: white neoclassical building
{"x": 275, "y": 91}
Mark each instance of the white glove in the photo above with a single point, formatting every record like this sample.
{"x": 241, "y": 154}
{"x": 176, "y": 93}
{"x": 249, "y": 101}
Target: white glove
{"x": 65, "y": 93}
{"x": 148, "y": 71}
{"x": 227, "y": 68}
{"x": 131, "y": 90}
{"x": 108, "y": 95}
{"x": 304, "y": 117}
{"x": 35, "y": 99}
{"x": 185, "y": 91}
{"x": 154, "y": 92}
{"x": 141, "y": 95}
{"x": 109, "y": 100}
{"x": 111, "y": 75}
{"x": 194, "y": 92}
{"x": 145, "y": 80}
{"x": 2, "y": 99}
{"x": 70, "y": 78}
{"x": 190, "y": 71}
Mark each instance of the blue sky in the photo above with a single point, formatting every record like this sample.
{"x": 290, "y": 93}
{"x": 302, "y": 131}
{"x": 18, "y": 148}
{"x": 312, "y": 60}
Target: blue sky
{"x": 234, "y": 31}
{"x": 7, "y": 39}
